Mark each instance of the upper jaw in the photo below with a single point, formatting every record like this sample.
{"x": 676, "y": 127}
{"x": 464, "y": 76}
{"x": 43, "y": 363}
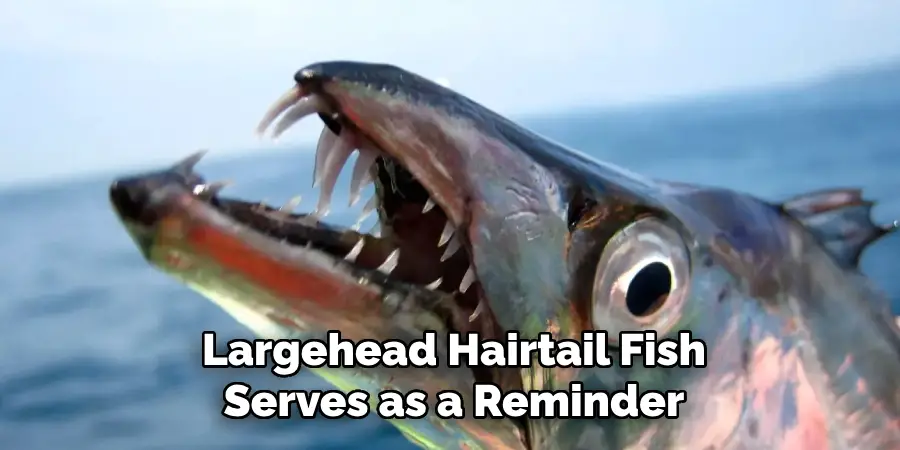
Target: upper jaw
{"x": 382, "y": 109}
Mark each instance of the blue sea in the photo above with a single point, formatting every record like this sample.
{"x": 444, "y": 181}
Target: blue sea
{"x": 100, "y": 351}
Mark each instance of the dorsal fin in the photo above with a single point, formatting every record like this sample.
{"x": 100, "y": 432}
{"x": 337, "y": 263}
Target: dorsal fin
{"x": 842, "y": 221}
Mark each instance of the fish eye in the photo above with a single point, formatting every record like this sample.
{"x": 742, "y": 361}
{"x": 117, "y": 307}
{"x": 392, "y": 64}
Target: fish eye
{"x": 642, "y": 279}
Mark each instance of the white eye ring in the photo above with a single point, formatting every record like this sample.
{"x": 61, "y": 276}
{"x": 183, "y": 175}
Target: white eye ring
{"x": 642, "y": 279}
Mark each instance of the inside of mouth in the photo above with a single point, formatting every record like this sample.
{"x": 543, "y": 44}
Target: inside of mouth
{"x": 412, "y": 241}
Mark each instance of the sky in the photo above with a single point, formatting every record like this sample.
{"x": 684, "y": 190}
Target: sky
{"x": 97, "y": 85}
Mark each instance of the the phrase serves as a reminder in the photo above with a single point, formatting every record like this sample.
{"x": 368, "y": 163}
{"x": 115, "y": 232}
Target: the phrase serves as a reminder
{"x": 289, "y": 356}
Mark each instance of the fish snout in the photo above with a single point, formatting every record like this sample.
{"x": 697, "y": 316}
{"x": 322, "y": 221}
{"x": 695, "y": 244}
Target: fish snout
{"x": 129, "y": 199}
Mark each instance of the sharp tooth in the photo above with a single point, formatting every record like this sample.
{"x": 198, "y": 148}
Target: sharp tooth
{"x": 330, "y": 170}
{"x": 390, "y": 263}
{"x": 211, "y": 189}
{"x": 355, "y": 251}
{"x": 428, "y": 205}
{"x": 291, "y": 204}
{"x": 376, "y": 230}
{"x": 284, "y": 102}
{"x": 261, "y": 205}
{"x": 260, "y": 208}
{"x": 288, "y": 208}
{"x": 467, "y": 280}
{"x": 361, "y": 173}
{"x": 452, "y": 248}
{"x": 185, "y": 167}
{"x": 476, "y": 313}
{"x": 326, "y": 142}
{"x": 446, "y": 234}
{"x": 216, "y": 187}
{"x": 304, "y": 107}
{"x": 370, "y": 205}
{"x": 366, "y": 212}
{"x": 309, "y": 220}
{"x": 434, "y": 284}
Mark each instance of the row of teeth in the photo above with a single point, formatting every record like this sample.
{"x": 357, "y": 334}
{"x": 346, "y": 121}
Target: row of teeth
{"x": 448, "y": 235}
{"x": 332, "y": 153}
{"x": 390, "y": 263}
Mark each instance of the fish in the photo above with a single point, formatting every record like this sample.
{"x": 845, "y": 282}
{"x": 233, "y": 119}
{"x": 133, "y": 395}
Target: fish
{"x": 488, "y": 227}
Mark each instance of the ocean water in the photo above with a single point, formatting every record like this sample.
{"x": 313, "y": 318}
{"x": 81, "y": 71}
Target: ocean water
{"x": 101, "y": 351}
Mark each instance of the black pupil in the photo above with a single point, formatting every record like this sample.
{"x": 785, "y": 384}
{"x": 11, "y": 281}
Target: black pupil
{"x": 648, "y": 289}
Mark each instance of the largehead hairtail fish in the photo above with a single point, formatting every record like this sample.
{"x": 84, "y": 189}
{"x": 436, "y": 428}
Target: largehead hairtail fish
{"x": 488, "y": 227}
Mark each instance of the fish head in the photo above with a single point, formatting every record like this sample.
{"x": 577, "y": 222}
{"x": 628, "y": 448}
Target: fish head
{"x": 488, "y": 227}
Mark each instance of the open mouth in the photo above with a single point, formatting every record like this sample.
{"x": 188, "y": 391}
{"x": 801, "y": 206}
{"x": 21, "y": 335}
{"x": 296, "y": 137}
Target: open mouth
{"x": 414, "y": 246}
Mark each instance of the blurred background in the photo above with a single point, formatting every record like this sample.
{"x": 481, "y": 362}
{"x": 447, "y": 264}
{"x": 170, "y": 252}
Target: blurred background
{"x": 100, "y": 351}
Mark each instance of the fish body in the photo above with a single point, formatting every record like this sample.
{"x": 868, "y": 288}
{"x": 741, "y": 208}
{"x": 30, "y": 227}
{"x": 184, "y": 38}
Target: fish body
{"x": 487, "y": 227}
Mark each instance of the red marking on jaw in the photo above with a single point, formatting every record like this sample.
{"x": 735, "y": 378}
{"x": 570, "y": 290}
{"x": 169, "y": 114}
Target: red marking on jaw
{"x": 277, "y": 277}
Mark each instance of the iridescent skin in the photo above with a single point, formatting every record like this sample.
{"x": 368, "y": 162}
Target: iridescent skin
{"x": 803, "y": 351}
